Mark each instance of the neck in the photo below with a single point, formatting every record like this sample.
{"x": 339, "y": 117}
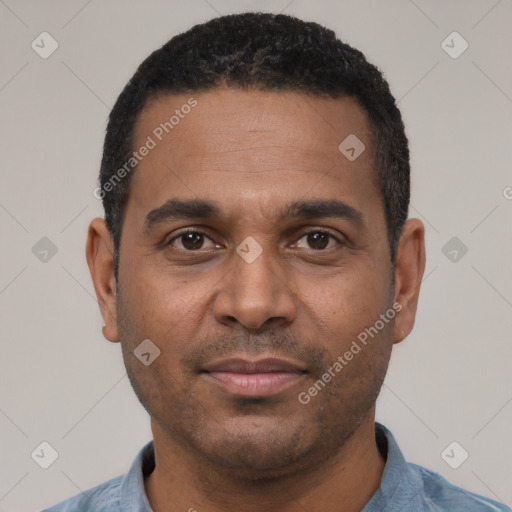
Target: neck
{"x": 183, "y": 480}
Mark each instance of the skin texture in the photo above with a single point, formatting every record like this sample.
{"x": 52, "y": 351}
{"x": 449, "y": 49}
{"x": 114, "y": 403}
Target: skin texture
{"x": 253, "y": 153}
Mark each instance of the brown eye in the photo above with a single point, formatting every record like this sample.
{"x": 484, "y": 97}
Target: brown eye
{"x": 317, "y": 240}
{"x": 190, "y": 241}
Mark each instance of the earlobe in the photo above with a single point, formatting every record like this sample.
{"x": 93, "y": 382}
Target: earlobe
{"x": 409, "y": 268}
{"x": 99, "y": 254}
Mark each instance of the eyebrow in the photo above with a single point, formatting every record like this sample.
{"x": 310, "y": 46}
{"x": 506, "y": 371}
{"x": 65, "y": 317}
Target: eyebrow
{"x": 316, "y": 209}
{"x": 179, "y": 209}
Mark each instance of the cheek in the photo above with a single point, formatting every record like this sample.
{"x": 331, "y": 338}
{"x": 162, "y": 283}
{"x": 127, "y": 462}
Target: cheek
{"x": 167, "y": 310}
{"x": 141, "y": 319}
{"x": 349, "y": 301}
{"x": 157, "y": 299}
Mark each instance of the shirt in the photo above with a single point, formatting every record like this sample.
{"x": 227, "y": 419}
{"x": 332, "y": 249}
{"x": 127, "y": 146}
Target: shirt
{"x": 404, "y": 487}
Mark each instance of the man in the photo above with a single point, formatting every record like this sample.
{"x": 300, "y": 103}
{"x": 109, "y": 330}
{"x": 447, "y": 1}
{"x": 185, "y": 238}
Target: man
{"x": 257, "y": 266}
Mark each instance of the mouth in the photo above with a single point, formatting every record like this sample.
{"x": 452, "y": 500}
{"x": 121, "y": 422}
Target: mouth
{"x": 245, "y": 378}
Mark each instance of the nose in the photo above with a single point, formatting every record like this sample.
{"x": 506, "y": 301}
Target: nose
{"x": 255, "y": 293}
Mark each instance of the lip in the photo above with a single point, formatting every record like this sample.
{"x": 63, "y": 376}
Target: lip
{"x": 254, "y": 378}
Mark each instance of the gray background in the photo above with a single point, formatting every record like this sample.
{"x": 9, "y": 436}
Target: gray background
{"x": 63, "y": 383}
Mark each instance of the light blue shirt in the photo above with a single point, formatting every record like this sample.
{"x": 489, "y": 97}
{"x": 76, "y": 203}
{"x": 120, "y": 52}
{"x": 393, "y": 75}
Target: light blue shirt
{"x": 404, "y": 487}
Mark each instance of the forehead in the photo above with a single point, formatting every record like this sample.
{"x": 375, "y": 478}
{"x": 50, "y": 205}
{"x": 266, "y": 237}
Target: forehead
{"x": 240, "y": 146}
{"x": 227, "y": 119}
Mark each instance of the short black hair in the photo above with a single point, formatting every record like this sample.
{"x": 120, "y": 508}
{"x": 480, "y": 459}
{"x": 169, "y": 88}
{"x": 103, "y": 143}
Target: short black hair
{"x": 269, "y": 52}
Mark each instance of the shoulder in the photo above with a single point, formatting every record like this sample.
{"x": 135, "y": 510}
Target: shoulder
{"x": 440, "y": 495}
{"x": 103, "y": 497}
{"x": 122, "y": 493}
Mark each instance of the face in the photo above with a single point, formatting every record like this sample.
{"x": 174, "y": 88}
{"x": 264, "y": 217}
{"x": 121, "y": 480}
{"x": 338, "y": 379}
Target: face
{"x": 254, "y": 254}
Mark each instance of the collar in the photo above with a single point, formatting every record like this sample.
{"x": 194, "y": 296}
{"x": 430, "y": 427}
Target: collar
{"x": 133, "y": 495}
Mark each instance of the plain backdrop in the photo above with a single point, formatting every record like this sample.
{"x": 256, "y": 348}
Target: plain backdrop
{"x": 62, "y": 383}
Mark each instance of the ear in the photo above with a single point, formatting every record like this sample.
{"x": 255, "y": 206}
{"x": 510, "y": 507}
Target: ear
{"x": 409, "y": 268}
{"x": 99, "y": 252}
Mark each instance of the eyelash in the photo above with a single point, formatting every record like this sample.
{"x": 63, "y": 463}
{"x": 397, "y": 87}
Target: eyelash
{"x": 199, "y": 231}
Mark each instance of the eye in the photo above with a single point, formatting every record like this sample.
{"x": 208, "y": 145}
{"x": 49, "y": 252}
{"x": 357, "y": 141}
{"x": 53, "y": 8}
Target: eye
{"x": 317, "y": 240}
{"x": 191, "y": 240}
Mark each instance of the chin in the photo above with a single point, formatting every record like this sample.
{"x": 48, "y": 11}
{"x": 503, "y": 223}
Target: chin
{"x": 257, "y": 447}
